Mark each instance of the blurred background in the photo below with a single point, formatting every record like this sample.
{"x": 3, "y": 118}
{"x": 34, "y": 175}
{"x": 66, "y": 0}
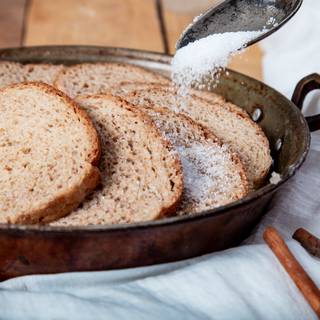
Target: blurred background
{"x": 141, "y": 24}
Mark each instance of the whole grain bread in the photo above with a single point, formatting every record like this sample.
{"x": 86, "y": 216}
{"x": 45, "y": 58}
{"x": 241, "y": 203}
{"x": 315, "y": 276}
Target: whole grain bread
{"x": 141, "y": 173}
{"x": 13, "y": 72}
{"x": 46, "y": 73}
{"x": 10, "y": 73}
{"x": 49, "y": 152}
{"x": 238, "y": 131}
{"x": 213, "y": 175}
{"x": 128, "y": 87}
{"x": 213, "y": 98}
{"x": 97, "y": 78}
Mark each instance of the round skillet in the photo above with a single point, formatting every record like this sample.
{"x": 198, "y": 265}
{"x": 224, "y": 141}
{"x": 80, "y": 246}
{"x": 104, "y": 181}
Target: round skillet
{"x": 40, "y": 249}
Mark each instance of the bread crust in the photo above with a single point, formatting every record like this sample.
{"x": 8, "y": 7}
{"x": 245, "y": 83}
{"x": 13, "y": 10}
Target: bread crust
{"x": 72, "y": 197}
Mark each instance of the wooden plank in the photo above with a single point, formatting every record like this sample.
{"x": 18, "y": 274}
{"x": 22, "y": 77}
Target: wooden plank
{"x": 249, "y": 62}
{"x": 124, "y": 23}
{"x": 175, "y": 23}
{"x": 179, "y": 13}
{"x": 11, "y": 22}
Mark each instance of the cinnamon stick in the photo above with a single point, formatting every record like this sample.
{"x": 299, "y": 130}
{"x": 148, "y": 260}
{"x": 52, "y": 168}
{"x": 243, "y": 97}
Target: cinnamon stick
{"x": 302, "y": 280}
{"x": 310, "y": 242}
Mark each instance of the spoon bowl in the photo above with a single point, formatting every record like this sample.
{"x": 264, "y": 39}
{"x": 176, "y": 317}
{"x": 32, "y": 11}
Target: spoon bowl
{"x": 240, "y": 15}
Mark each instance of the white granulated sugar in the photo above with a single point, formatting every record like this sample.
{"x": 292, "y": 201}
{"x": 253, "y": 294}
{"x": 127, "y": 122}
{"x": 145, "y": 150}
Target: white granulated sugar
{"x": 206, "y": 57}
{"x": 206, "y": 179}
{"x": 275, "y": 178}
{"x": 271, "y": 22}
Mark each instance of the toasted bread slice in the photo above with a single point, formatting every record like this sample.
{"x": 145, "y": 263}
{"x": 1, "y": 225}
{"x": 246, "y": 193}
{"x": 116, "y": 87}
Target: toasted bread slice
{"x": 213, "y": 175}
{"x": 243, "y": 135}
{"x": 141, "y": 173}
{"x": 49, "y": 152}
{"x": 97, "y": 78}
{"x": 13, "y": 72}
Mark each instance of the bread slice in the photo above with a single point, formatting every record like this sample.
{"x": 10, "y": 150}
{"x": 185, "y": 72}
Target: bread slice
{"x": 213, "y": 175}
{"x": 10, "y": 73}
{"x": 211, "y": 97}
{"x": 141, "y": 173}
{"x": 13, "y": 72}
{"x": 243, "y": 135}
{"x": 42, "y": 72}
{"x": 49, "y": 152}
{"x": 97, "y": 78}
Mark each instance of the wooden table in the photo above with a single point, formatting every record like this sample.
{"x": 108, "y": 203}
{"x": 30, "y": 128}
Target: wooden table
{"x": 141, "y": 24}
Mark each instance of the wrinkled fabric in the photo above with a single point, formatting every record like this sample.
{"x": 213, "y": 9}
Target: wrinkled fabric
{"x": 246, "y": 283}
{"x": 241, "y": 283}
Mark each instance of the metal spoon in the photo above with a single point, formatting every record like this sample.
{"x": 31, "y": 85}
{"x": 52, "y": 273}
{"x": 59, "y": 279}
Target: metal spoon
{"x": 241, "y": 15}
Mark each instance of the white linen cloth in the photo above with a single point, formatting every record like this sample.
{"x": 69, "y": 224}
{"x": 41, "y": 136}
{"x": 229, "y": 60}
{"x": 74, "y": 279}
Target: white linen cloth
{"x": 241, "y": 283}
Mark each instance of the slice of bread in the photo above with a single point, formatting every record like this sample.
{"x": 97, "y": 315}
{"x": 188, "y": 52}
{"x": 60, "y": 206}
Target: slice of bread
{"x": 42, "y": 72}
{"x": 97, "y": 78}
{"x": 141, "y": 173}
{"x": 10, "y": 73}
{"x": 213, "y": 175}
{"x": 243, "y": 135}
{"x": 13, "y": 72}
{"x": 211, "y": 97}
{"x": 49, "y": 152}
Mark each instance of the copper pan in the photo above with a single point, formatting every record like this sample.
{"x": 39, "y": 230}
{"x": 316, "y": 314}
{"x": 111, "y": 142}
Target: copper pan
{"x": 40, "y": 249}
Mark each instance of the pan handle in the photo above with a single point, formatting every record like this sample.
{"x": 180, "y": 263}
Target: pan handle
{"x": 304, "y": 86}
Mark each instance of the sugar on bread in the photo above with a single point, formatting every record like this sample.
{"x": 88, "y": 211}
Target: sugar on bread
{"x": 141, "y": 173}
{"x": 233, "y": 128}
{"x": 213, "y": 175}
{"x": 218, "y": 144}
{"x": 125, "y": 87}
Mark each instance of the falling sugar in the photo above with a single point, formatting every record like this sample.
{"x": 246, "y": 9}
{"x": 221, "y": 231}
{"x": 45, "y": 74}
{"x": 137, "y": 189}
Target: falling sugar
{"x": 203, "y": 60}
